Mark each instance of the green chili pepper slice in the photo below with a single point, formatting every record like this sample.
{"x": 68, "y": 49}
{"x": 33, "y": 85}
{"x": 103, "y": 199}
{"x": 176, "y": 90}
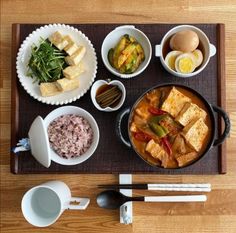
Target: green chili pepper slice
{"x": 158, "y": 130}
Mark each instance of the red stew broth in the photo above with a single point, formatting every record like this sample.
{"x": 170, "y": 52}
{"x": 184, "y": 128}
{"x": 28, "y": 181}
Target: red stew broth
{"x": 140, "y": 146}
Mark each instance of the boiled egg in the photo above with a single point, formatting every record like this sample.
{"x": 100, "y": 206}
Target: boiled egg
{"x": 170, "y": 59}
{"x": 198, "y": 57}
{"x": 185, "y": 63}
{"x": 185, "y": 41}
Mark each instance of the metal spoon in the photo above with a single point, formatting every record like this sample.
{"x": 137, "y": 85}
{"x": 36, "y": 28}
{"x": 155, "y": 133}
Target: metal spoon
{"x": 112, "y": 199}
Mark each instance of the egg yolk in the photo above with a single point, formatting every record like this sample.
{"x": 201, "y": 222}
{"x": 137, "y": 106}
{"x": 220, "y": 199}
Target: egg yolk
{"x": 186, "y": 65}
{"x": 171, "y": 62}
{"x": 195, "y": 54}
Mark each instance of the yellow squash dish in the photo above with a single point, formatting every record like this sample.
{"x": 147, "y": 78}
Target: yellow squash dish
{"x": 127, "y": 55}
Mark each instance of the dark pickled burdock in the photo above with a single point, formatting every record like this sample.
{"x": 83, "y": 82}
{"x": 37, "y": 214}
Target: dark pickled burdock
{"x": 108, "y": 96}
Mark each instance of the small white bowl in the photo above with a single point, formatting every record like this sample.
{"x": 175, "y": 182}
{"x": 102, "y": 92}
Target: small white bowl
{"x": 209, "y": 49}
{"x": 113, "y": 38}
{"x": 81, "y": 112}
{"x": 100, "y": 83}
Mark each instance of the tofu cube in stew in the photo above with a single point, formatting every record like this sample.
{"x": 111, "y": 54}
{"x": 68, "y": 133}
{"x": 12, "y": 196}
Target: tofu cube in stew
{"x": 143, "y": 112}
{"x": 58, "y": 40}
{"x": 174, "y": 102}
{"x": 155, "y": 150}
{"x": 186, "y": 158}
{"x": 190, "y": 112}
{"x": 195, "y": 133}
{"x": 153, "y": 97}
{"x": 133, "y": 128}
{"x": 49, "y": 89}
{"x": 179, "y": 145}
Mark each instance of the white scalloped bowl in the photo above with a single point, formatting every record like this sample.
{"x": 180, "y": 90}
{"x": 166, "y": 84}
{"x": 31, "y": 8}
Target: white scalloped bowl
{"x": 89, "y": 61}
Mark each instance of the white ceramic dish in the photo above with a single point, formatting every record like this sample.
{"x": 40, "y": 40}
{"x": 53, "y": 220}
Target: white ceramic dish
{"x": 98, "y": 84}
{"x": 38, "y": 141}
{"x": 209, "y": 49}
{"x": 81, "y": 112}
{"x": 113, "y": 38}
{"x": 89, "y": 61}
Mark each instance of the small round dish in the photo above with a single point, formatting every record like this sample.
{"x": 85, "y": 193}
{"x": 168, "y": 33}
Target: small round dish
{"x": 111, "y": 41}
{"x": 100, "y": 83}
{"x": 208, "y": 49}
{"x": 89, "y": 61}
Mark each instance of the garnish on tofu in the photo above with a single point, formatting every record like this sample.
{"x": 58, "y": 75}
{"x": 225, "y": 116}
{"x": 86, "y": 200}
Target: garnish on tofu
{"x": 54, "y": 58}
{"x": 46, "y": 62}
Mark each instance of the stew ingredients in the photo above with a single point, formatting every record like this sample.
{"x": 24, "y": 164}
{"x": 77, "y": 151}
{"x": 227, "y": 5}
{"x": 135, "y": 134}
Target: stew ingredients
{"x": 170, "y": 127}
{"x": 127, "y": 56}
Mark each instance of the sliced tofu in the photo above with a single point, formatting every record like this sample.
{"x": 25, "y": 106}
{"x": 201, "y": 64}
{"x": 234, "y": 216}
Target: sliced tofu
{"x": 71, "y": 47}
{"x": 155, "y": 150}
{"x": 153, "y": 97}
{"x": 168, "y": 162}
{"x": 179, "y": 145}
{"x": 195, "y": 133}
{"x": 190, "y": 112}
{"x": 76, "y": 57}
{"x": 58, "y": 40}
{"x": 133, "y": 128}
{"x": 139, "y": 120}
{"x": 65, "y": 84}
{"x": 143, "y": 112}
{"x": 49, "y": 89}
{"x": 186, "y": 158}
{"x": 174, "y": 102}
{"x": 72, "y": 72}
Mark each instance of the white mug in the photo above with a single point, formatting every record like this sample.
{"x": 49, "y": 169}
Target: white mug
{"x": 43, "y": 204}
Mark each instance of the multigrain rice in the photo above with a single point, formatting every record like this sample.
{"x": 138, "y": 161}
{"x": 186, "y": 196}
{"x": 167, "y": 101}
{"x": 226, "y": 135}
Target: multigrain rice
{"x": 70, "y": 135}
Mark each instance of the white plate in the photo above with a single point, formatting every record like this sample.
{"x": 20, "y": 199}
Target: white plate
{"x": 89, "y": 61}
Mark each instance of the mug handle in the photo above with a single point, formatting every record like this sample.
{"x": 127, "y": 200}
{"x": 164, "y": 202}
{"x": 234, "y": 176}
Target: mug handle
{"x": 226, "y": 119}
{"x": 119, "y": 119}
{"x": 83, "y": 203}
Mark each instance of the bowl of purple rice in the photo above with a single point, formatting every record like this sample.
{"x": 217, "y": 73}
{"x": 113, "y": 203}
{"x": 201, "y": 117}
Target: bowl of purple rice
{"x": 73, "y": 135}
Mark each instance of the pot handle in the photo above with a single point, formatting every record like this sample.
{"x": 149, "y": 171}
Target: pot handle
{"x": 226, "y": 119}
{"x": 119, "y": 119}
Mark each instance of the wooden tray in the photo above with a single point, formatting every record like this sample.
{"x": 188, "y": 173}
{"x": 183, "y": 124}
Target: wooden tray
{"x": 111, "y": 156}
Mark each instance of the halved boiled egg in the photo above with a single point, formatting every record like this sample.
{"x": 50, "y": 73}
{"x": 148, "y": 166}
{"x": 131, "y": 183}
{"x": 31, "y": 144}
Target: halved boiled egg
{"x": 185, "y": 63}
{"x": 198, "y": 57}
{"x": 171, "y": 57}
